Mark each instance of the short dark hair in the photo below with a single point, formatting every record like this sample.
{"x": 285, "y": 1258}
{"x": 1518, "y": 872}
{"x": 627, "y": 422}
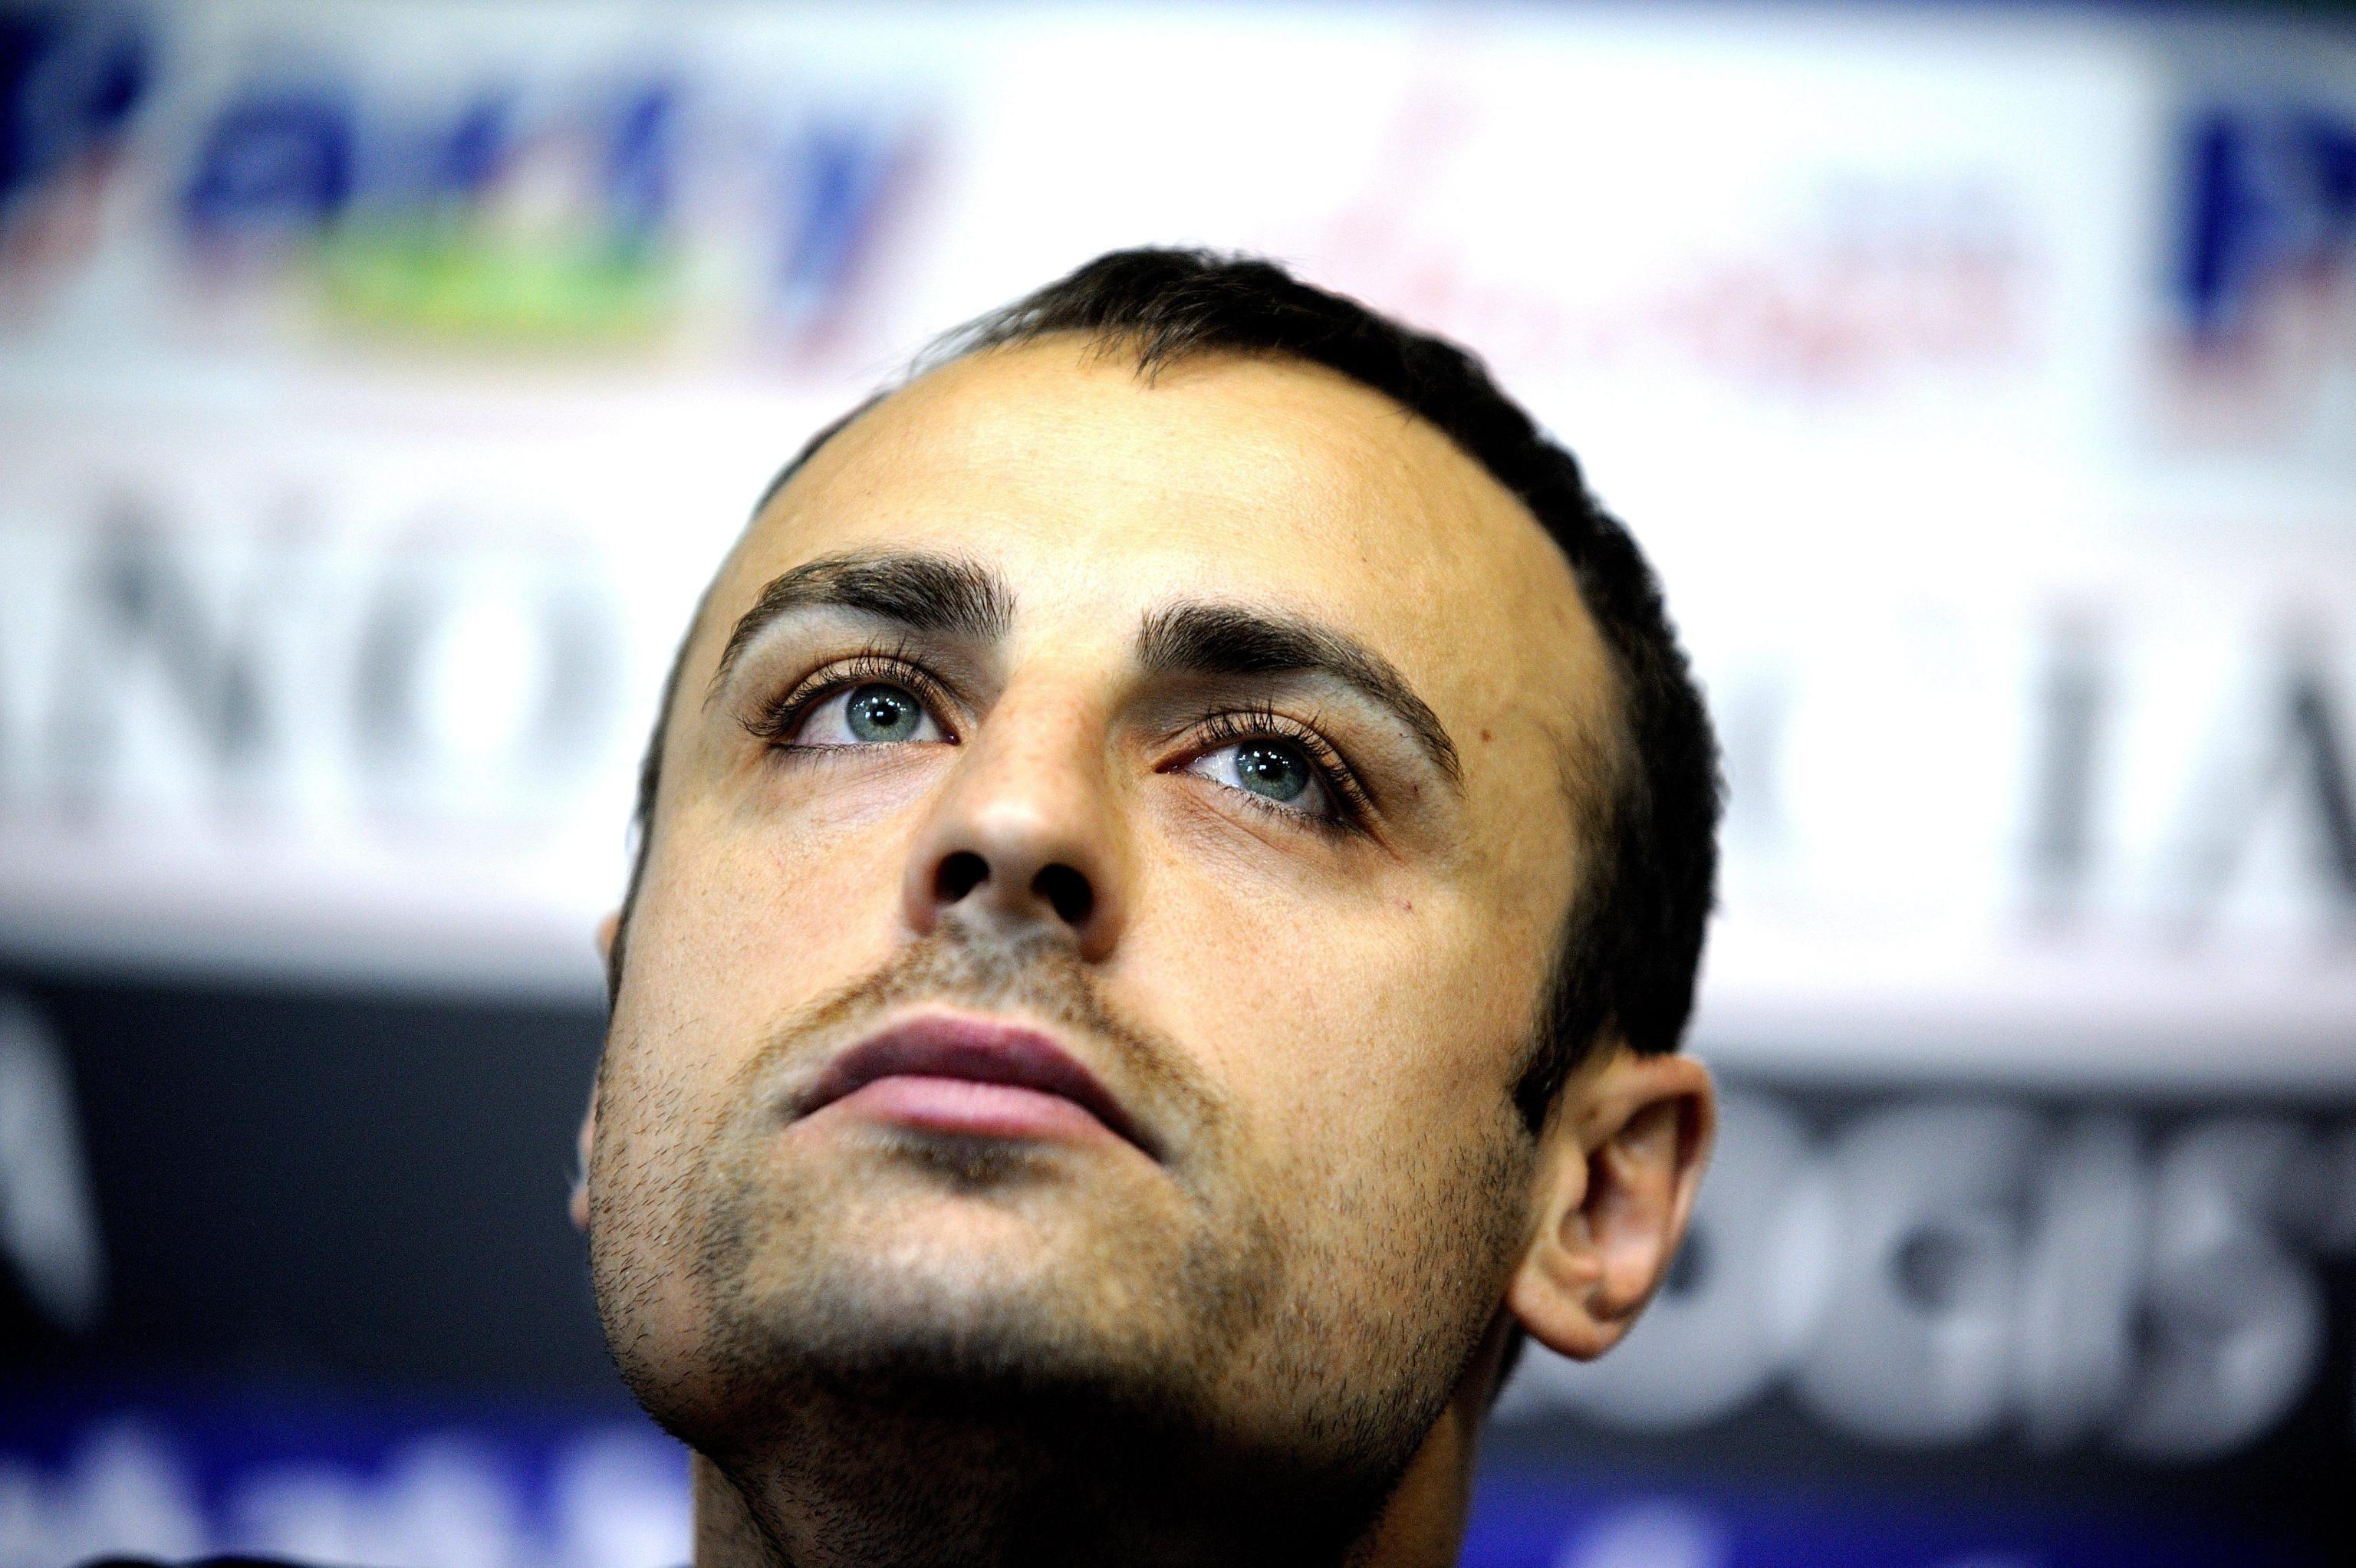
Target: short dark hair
{"x": 1632, "y": 942}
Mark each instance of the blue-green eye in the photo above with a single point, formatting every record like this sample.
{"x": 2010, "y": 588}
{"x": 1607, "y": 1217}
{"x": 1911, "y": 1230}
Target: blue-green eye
{"x": 882, "y": 713}
{"x": 1276, "y": 772}
{"x": 875, "y": 713}
{"x": 1266, "y": 768}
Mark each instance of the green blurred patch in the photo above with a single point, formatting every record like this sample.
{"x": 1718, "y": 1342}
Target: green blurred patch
{"x": 456, "y": 283}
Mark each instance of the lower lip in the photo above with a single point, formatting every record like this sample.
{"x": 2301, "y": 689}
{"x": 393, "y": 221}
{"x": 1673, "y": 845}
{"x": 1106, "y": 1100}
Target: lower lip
{"x": 970, "y": 1109}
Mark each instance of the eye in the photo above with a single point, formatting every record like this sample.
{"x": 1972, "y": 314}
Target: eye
{"x": 873, "y": 714}
{"x": 1276, "y": 772}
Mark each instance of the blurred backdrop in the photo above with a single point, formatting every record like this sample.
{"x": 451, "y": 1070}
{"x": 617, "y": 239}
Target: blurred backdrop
{"x": 379, "y": 382}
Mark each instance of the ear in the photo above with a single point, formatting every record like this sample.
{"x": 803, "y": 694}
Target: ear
{"x": 1617, "y": 1176}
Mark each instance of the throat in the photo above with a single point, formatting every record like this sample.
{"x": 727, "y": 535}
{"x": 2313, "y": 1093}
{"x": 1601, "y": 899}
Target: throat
{"x": 961, "y": 1495}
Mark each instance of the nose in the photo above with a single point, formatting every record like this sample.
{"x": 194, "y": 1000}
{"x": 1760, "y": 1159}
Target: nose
{"x": 1025, "y": 839}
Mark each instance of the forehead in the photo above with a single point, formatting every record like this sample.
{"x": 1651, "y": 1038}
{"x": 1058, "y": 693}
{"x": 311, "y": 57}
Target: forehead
{"x": 1100, "y": 495}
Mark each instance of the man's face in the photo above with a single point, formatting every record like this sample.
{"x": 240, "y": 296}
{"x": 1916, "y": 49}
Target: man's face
{"x": 1094, "y": 924}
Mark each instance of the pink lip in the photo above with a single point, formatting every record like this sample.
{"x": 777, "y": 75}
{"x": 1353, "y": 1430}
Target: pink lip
{"x": 942, "y": 1072}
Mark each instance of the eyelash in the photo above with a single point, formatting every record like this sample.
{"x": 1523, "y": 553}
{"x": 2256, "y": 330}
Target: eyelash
{"x": 777, "y": 719}
{"x": 1260, "y": 721}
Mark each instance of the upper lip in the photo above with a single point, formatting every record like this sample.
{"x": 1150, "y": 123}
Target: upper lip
{"x": 980, "y": 1050}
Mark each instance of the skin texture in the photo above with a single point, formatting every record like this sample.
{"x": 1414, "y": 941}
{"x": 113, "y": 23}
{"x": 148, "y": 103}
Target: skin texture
{"x": 1270, "y": 1333}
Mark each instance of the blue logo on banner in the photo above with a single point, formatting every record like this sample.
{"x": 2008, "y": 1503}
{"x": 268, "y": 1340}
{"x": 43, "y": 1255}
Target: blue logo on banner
{"x": 415, "y": 222}
{"x": 291, "y": 158}
{"x": 67, "y": 90}
{"x": 2269, "y": 202}
{"x": 610, "y": 207}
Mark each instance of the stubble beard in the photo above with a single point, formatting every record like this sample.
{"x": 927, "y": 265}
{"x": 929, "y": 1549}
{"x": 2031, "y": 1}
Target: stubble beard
{"x": 1112, "y": 1385}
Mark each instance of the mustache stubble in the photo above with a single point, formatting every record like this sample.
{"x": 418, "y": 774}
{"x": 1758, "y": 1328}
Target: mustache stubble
{"x": 1035, "y": 974}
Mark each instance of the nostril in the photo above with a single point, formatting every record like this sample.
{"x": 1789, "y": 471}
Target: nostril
{"x": 959, "y": 875}
{"x": 1067, "y": 891}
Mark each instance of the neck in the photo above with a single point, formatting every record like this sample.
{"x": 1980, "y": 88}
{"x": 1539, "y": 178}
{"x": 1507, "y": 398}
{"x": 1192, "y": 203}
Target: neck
{"x": 959, "y": 1495}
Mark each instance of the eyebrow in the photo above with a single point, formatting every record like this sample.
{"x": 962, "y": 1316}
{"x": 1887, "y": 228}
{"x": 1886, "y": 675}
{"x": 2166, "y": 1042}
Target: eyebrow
{"x": 941, "y": 595}
{"x": 1213, "y": 639}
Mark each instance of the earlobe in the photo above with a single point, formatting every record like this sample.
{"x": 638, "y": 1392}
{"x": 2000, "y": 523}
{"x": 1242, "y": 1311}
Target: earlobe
{"x": 1552, "y": 1293}
{"x": 1615, "y": 1190}
{"x": 578, "y": 1205}
{"x": 609, "y": 955}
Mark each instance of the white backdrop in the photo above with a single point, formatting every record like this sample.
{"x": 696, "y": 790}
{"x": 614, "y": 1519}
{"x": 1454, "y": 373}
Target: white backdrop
{"x": 377, "y": 388}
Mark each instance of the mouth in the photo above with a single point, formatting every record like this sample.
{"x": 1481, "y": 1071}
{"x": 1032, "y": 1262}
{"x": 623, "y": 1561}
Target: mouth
{"x": 945, "y": 1073}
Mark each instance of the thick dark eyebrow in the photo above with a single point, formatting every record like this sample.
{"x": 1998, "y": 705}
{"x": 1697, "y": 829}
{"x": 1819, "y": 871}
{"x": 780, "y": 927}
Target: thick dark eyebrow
{"x": 1233, "y": 640}
{"x": 940, "y": 595}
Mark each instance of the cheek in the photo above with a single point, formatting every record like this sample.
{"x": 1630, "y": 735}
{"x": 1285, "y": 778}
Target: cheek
{"x": 643, "y": 1226}
{"x": 736, "y": 929}
{"x": 1342, "y": 1019}
{"x": 741, "y": 923}
{"x": 1369, "y": 1052}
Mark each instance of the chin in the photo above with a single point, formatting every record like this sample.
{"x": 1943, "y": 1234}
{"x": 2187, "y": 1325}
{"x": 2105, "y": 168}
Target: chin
{"x": 921, "y": 1270}
{"x": 959, "y": 1259}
